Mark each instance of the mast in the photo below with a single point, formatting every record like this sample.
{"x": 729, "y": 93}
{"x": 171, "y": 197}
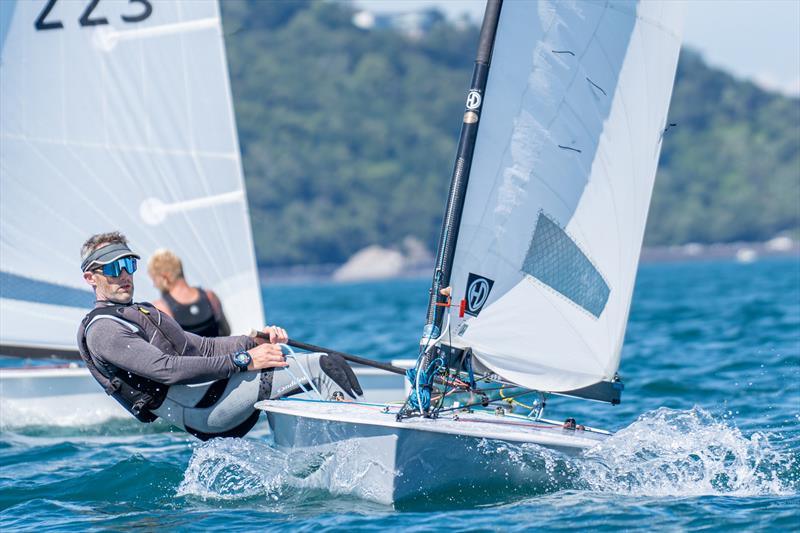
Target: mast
{"x": 460, "y": 178}
{"x": 448, "y": 237}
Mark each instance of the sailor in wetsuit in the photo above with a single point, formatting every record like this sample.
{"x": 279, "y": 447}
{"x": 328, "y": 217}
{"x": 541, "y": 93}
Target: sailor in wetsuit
{"x": 206, "y": 386}
{"x": 197, "y": 310}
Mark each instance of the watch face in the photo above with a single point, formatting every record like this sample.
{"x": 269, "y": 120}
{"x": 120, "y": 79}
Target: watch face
{"x": 242, "y": 359}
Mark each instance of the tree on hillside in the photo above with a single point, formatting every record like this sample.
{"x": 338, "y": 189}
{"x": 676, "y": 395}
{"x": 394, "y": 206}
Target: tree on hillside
{"x": 348, "y": 137}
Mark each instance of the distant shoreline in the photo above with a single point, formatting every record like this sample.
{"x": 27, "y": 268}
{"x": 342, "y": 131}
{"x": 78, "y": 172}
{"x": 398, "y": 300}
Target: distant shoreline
{"x": 743, "y": 252}
{"x": 740, "y": 251}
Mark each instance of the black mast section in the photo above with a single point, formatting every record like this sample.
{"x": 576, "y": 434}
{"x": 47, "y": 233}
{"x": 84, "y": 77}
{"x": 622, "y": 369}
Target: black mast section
{"x": 458, "y": 183}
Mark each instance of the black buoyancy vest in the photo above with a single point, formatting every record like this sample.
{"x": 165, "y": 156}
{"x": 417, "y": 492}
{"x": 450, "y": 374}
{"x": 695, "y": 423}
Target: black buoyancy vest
{"x": 197, "y": 317}
{"x": 137, "y": 394}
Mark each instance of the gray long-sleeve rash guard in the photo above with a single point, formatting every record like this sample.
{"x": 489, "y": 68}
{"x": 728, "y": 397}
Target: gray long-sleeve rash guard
{"x": 116, "y": 344}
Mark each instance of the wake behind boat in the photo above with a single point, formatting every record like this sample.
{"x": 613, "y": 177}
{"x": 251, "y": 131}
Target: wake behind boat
{"x": 539, "y": 247}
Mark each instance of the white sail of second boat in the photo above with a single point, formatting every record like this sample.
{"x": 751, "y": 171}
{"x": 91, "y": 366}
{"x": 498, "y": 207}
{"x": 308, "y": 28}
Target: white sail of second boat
{"x": 563, "y": 170}
{"x": 115, "y": 115}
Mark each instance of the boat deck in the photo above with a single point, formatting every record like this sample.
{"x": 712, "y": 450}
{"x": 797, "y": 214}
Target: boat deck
{"x": 479, "y": 423}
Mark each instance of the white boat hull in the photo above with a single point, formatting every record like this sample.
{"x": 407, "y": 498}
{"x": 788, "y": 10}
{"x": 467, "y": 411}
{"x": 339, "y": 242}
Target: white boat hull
{"x": 68, "y": 395}
{"x": 407, "y": 462}
{"x": 58, "y": 396}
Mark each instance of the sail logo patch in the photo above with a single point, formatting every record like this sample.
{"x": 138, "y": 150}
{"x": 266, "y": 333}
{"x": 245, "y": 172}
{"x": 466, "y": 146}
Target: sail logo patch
{"x": 478, "y": 289}
{"x": 473, "y": 100}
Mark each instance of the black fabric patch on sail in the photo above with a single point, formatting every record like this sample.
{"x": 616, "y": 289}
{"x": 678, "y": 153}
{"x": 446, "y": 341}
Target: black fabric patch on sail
{"x": 556, "y": 260}
{"x": 478, "y": 289}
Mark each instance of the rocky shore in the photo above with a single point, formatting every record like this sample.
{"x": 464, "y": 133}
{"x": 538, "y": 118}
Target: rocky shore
{"x": 411, "y": 259}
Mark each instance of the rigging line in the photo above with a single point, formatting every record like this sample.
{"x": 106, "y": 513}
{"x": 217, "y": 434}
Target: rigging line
{"x": 294, "y": 378}
{"x": 298, "y": 381}
{"x": 517, "y": 402}
{"x": 438, "y": 340}
{"x": 449, "y": 409}
{"x": 492, "y": 389}
{"x": 447, "y": 382}
{"x": 430, "y": 345}
{"x": 508, "y": 423}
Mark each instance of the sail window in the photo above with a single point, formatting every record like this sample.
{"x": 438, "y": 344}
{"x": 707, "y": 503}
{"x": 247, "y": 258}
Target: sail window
{"x": 556, "y": 260}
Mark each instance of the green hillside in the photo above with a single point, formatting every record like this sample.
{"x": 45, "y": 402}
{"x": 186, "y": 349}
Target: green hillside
{"x": 730, "y": 171}
{"x": 348, "y": 137}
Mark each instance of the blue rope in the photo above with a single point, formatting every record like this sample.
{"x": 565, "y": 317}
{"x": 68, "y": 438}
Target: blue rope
{"x": 335, "y": 402}
{"x": 471, "y": 373}
{"x": 425, "y": 384}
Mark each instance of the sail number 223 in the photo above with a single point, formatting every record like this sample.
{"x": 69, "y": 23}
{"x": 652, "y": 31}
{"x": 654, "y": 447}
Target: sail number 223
{"x": 91, "y": 18}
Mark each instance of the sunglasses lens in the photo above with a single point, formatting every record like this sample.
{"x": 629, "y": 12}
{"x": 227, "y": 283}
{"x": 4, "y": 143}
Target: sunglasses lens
{"x": 115, "y": 269}
{"x": 111, "y": 269}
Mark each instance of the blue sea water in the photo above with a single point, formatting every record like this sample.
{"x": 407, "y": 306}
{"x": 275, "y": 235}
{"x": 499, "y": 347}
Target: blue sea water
{"x": 708, "y": 433}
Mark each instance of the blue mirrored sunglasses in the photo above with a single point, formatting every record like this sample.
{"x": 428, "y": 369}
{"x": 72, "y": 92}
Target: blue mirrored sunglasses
{"x": 114, "y": 268}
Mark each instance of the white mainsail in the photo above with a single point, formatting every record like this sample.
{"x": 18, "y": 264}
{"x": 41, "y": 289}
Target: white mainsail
{"x": 116, "y": 116}
{"x": 564, "y": 164}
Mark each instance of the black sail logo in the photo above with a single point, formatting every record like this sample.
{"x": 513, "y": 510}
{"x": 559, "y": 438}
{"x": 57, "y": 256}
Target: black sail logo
{"x": 478, "y": 289}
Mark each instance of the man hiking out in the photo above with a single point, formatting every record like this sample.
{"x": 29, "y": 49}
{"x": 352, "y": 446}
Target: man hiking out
{"x": 204, "y": 385}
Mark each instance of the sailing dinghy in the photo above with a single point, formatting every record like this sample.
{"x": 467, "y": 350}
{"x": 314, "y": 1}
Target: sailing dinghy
{"x": 539, "y": 248}
{"x": 114, "y": 115}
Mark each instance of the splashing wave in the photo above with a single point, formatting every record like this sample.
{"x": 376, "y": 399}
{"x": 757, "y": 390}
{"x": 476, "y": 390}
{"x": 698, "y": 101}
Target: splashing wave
{"x": 664, "y": 453}
{"x": 688, "y": 452}
{"x": 231, "y": 469}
